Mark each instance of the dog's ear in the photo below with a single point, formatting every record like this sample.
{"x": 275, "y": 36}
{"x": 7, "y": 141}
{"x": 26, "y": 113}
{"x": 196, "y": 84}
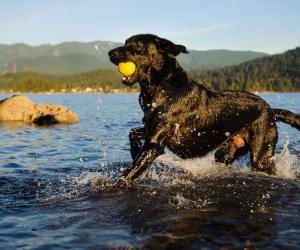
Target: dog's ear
{"x": 170, "y": 48}
{"x": 176, "y": 49}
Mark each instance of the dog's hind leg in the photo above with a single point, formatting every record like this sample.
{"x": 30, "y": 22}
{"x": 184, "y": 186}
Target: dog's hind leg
{"x": 262, "y": 143}
{"x": 136, "y": 135}
{"x": 229, "y": 151}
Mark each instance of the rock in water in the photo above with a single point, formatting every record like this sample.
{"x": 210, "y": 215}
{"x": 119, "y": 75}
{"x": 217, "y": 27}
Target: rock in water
{"x": 16, "y": 108}
{"x": 21, "y": 108}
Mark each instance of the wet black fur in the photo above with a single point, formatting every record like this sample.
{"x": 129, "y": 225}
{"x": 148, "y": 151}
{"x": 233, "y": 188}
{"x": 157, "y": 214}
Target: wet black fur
{"x": 189, "y": 118}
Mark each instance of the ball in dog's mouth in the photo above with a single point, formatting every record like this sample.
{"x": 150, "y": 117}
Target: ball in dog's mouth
{"x": 127, "y": 69}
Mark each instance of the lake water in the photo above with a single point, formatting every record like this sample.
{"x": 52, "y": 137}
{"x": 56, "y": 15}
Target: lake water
{"x": 57, "y": 187}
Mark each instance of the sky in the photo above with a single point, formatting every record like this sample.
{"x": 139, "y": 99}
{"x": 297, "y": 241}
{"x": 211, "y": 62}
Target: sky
{"x": 271, "y": 26}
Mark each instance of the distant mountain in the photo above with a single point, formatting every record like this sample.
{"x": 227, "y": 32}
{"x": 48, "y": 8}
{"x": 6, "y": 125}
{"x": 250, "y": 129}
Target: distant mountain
{"x": 279, "y": 72}
{"x": 78, "y": 57}
{"x": 58, "y": 65}
{"x": 64, "y": 58}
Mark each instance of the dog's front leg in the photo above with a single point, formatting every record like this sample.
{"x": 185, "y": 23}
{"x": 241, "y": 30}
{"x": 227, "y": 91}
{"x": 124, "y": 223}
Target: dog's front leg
{"x": 147, "y": 155}
{"x": 136, "y": 135}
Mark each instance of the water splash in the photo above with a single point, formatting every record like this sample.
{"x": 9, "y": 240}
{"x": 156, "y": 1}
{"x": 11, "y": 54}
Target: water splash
{"x": 286, "y": 163}
{"x": 206, "y": 167}
{"x": 167, "y": 171}
{"x": 97, "y": 181}
{"x": 287, "y": 166}
{"x": 170, "y": 170}
{"x": 62, "y": 189}
{"x": 181, "y": 202}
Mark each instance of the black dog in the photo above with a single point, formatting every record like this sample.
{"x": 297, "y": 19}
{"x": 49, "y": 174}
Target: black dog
{"x": 191, "y": 119}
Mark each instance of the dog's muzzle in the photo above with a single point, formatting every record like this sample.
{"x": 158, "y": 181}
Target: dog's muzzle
{"x": 126, "y": 68}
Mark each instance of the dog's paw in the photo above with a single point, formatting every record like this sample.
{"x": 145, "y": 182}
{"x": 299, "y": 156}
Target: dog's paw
{"x": 222, "y": 156}
{"x": 122, "y": 182}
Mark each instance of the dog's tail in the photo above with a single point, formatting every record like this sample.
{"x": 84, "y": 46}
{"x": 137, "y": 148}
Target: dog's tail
{"x": 287, "y": 117}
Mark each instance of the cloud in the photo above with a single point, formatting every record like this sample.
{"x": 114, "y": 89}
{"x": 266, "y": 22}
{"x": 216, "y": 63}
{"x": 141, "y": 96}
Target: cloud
{"x": 200, "y": 30}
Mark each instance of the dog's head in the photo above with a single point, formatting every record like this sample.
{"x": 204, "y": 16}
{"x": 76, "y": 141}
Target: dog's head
{"x": 148, "y": 52}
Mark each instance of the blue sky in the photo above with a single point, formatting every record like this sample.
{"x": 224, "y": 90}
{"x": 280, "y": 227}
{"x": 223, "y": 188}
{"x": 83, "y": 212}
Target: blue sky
{"x": 271, "y": 26}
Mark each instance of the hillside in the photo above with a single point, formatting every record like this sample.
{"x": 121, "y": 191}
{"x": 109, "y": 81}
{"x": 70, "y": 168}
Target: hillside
{"x": 216, "y": 58}
{"x": 273, "y": 73}
{"x": 44, "y": 58}
{"x": 78, "y": 57}
{"x": 59, "y": 65}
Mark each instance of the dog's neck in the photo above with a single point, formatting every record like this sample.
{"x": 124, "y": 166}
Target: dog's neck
{"x": 171, "y": 76}
{"x": 161, "y": 84}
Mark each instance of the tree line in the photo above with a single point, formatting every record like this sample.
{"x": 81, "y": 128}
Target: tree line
{"x": 34, "y": 82}
{"x": 273, "y": 73}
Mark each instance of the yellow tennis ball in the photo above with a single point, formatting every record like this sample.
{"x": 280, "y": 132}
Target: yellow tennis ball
{"x": 126, "y": 68}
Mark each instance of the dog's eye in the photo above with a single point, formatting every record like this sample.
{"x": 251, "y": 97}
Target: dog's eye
{"x": 134, "y": 48}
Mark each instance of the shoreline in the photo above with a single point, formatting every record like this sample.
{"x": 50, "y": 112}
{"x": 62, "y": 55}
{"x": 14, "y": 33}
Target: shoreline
{"x": 76, "y": 91}
{"x": 104, "y": 90}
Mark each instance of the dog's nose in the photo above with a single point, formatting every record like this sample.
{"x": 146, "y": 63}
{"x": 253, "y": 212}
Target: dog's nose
{"x": 112, "y": 53}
